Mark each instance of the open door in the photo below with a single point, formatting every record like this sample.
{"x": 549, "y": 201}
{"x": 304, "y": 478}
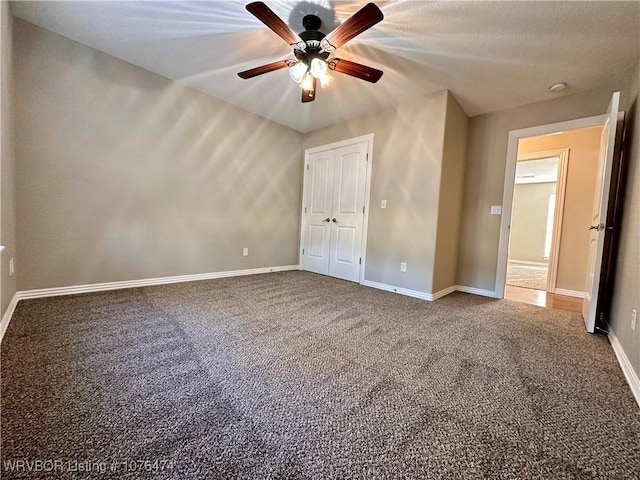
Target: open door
{"x": 600, "y": 208}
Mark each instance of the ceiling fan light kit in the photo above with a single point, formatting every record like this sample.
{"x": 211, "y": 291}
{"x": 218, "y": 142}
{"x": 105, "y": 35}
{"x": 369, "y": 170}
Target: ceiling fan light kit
{"x": 312, "y": 48}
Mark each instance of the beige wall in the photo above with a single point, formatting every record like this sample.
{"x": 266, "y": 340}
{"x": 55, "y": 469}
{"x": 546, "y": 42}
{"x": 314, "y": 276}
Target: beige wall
{"x": 529, "y": 221}
{"x": 584, "y": 147}
{"x": 7, "y": 157}
{"x": 408, "y": 152}
{"x": 485, "y": 167}
{"x": 626, "y": 294}
{"x": 450, "y": 199}
{"x": 123, "y": 174}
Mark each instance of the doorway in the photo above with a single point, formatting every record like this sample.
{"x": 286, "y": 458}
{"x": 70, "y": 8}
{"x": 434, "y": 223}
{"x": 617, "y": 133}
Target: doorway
{"x": 596, "y": 227}
{"x": 335, "y": 206}
{"x": 536, "y": 219}
{"x": 573, "y": 256}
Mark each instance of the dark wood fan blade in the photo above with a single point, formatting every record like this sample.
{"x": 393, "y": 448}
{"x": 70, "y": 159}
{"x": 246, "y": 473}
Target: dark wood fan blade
{"x": 355, "y": 70}
{"x": 360, "y": 21}
{"x": 309, "y": 95}
{"x": 269, "y": 67}
{"x": 271, "y": 20}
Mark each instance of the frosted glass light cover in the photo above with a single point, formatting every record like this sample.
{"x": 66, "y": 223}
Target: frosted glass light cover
{"x": 318, "y": 67}
{"x": 326, "y": 79}
{"x": 297, "y": 71}
{"x": 307, "y": 82}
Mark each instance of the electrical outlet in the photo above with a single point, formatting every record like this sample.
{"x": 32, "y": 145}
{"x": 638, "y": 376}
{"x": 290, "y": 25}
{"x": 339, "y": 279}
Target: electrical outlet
{"x": 383, "y": 204}
{"x": 403, "y": 267}
{"x": 496, "y": 209}
{"x": 245, "y": 252}
{"x": 11, "y": 267}
{"x": 634, "y": 315}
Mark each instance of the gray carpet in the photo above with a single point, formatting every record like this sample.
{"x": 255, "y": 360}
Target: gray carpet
{"x": 527, "y": 276}
{"x": 298, "y": 376}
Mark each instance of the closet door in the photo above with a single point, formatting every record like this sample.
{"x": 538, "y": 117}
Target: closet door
{"x": 333, "y": 211}
{"x": 347, "y": 213}
{"x": 316, "y": 234}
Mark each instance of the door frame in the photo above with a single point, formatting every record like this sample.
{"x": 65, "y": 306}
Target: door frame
{"x": 509, "y": 182}
{"x": 368, "y": 138}
{"x": 561, "y": 186}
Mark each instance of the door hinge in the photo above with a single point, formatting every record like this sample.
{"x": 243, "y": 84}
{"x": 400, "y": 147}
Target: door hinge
{"x": 360, "y": 262}
{"x": 305, "y": 209}
{"x": 362, "y": 209}
{"x": 303, "y": 251}
{"x": 307, "y": 167}
{"x": 367, "y": 157}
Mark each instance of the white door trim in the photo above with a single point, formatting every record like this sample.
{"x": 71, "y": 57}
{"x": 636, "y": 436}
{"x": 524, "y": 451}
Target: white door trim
{"x": 561, "y": 185}
{"x": 509, "y": 181}
{"x": 368, "y": 138}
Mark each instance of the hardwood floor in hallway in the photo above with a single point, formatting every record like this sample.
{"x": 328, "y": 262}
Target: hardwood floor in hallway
{"x": 542, "y": 298}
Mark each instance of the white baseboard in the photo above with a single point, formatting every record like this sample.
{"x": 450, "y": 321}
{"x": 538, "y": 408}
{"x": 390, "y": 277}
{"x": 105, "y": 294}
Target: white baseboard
{"x": 476, "y": 291}
{"x": 6, "y": 318}
{"x": 629, "y": 373}
{"x": 443, "y": 292}
{"x": 401, "y": 291}
{"x": 527, "y": 262}
{"x": 568, "y": 293}
{"x": 422, "y": 295}
{"x": 101, "y": 287}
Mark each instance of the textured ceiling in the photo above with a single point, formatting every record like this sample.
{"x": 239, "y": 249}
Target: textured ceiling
{"x": 490, "y": 55}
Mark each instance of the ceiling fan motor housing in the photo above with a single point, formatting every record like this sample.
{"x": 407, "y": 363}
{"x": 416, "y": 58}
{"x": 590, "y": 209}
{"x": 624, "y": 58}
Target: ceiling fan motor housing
{"x": 311, "y": 37}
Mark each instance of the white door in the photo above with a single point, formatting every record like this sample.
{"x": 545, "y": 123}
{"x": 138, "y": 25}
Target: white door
{"x": 600, "y": 206}
{"x": 349, "y": 180}
{"x": 316, "y": 238}
{"x": 333, "y": 213}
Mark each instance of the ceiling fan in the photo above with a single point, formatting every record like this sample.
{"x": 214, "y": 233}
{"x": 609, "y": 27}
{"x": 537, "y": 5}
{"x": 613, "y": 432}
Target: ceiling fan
{"x": 313, "y": 48}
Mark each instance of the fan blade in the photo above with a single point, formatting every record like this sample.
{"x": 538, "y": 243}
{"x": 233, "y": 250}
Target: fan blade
{"x": 309, "y": 95}
{"x": 355, "y": 70}
{"x": 360, "y": 21}
{"x": 269, "y": 67}
{"x": 271, "y": 20}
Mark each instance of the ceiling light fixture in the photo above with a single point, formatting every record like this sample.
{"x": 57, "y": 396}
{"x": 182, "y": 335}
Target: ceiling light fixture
{"x": 302, "y": 74}
{"x": 312, "y": 48}
{"x": 318, "y": 68}
{"x": 558, "y": 87}
{"x": 297, "y": 71}
{"x": 307, "y": 82}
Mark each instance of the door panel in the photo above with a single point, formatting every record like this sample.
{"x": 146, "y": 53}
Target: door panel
{"x": 345, "y": 240}
{"x": 348, "y": 211}
{"x": 600, "y": 207}
{"x": 347, "y": 169}
{"x": 316, "y": 241}
{"x": 316, "y": 235}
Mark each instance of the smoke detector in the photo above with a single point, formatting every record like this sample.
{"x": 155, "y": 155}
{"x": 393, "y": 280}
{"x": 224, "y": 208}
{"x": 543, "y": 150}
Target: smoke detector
{"x": 558, "y": 87}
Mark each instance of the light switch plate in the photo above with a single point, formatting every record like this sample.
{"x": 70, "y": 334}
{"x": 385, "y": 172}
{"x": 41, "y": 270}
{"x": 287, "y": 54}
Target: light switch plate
{"x": 496, "y": 209}
{"x": 383, "y": 204}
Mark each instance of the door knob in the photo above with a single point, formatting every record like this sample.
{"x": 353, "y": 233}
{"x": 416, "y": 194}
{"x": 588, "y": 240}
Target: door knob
{"x": 326, "y": 220}
{"x": 334, "y": 220}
